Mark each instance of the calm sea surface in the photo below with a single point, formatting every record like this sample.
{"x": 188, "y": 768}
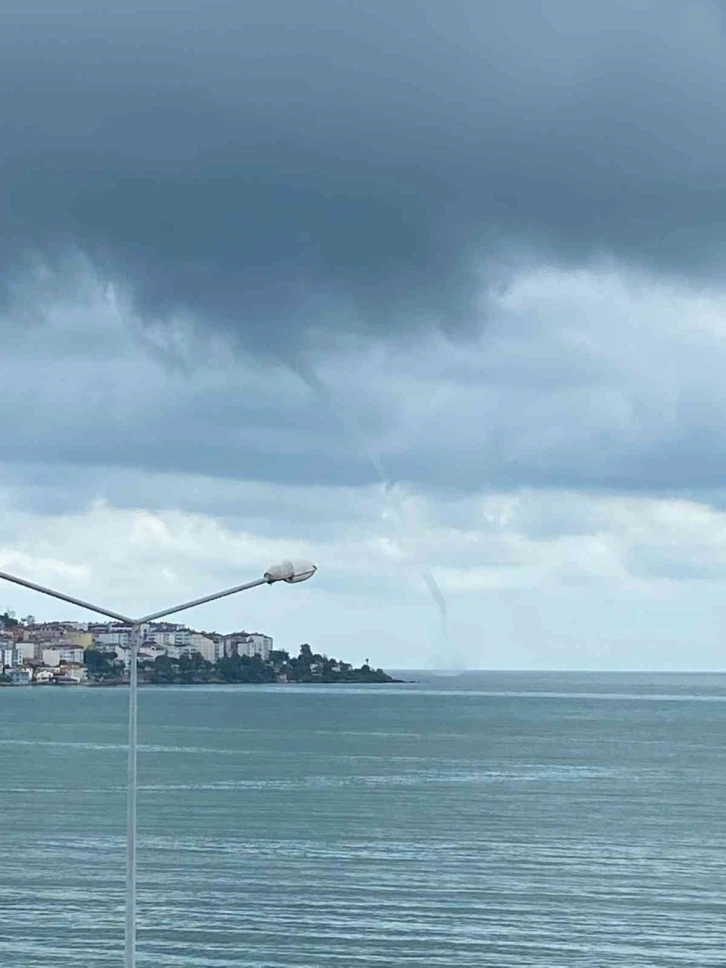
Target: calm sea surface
{"x": 478, "y": 820}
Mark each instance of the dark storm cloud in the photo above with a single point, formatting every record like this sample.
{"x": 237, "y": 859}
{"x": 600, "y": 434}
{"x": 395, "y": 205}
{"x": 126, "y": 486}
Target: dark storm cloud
{"x": 581, "y": 381}
{"x": 280, "y": 165}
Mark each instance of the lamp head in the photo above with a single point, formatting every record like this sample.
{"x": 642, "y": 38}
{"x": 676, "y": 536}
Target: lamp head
{"x": 290, "y": 571}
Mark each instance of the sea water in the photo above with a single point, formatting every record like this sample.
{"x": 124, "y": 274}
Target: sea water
{"x": 487, "y": 819}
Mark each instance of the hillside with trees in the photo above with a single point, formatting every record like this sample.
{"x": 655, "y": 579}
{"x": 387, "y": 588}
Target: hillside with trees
{"x": 306, "y": 667}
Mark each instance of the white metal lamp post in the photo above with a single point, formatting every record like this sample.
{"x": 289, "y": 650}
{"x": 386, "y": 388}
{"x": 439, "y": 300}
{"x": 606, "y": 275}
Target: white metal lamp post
{"x": 287, "y": 571}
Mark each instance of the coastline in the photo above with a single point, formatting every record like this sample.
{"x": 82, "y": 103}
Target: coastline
{"x": 121, "y": 683}
{"x": 389, "y": 680}
{"x": 206, "y": 659}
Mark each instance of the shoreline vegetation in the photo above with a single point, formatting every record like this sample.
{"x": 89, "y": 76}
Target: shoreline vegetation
{"x": 280, "y": 668}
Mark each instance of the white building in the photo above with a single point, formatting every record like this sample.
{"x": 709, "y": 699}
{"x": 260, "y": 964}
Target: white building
{"x": 113, "y": 636}
{"x": 198, "y": 645}
{"x": 261, "y": 645}
{"x": 169, "y": 635}
{"x": 56, "y": 657}
{"x": 255, "y": 644}
{"x": 26, "y": 650}
{"x": 159, "y": 633}
{"x": 9, "y": 656}
{"x": 248, "y": 643}
{"x": 207, "y": 648}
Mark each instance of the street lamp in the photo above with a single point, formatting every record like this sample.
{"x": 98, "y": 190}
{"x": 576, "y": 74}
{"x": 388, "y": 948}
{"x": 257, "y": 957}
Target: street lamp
{"x": 287, "y": 571}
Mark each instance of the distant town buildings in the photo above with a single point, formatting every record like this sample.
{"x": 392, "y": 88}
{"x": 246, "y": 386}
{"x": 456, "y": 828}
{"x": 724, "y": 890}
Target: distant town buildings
{"x": 58, "y": 652}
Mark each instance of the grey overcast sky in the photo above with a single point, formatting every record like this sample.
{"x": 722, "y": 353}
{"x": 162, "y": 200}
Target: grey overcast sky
{"x": 252, "y": 254}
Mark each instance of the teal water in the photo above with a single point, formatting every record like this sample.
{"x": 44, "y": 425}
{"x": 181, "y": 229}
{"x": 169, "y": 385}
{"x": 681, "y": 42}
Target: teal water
{"x": 478, "y": 820}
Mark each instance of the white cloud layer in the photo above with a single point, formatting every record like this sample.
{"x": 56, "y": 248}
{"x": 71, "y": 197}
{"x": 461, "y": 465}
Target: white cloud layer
{"x": 529, "y": 576}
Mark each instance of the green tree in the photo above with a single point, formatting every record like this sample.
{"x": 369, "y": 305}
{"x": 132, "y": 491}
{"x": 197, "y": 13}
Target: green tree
{"x": 194, "y": 668}
{"x": 100, "y": 665}
{"x": 165, "y": 670}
